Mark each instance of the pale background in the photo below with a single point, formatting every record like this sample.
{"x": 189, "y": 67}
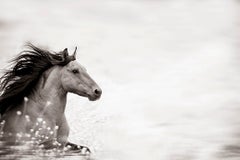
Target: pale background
{"x": 169, "y": 70}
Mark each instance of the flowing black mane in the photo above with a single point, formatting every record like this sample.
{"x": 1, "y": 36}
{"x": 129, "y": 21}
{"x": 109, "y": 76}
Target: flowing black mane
{"x": 20, "y": 80}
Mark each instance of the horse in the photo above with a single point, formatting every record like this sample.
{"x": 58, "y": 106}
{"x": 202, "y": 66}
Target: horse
{"x": 34, "y": 95}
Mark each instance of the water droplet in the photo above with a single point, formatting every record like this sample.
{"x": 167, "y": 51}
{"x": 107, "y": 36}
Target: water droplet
{"x": 19, "y": 113}
{"x": 46, "y": 137}
{"x": 27, "y": 118}
{"x": 48, "y": 128}
{"x": 48, "y": 103}
{"x": 36, "y": 133}
{"x": 31, "y": 130}
{"x": 41, "y": 146}
{"x": 39, "y": 119}
{"x": 39, "y": 129}
{"x": 19, "y": 135}
{"x": 25, "y": 99}
{"x": 51, "y": 132}
{"x": 3, "y": 122}
{"x": 44, "y": 122}
{"x": 27, "y": 135}
{"x": 56, "y": 127}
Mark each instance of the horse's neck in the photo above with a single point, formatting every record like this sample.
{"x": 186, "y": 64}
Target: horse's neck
{"x": 49, "y": 97}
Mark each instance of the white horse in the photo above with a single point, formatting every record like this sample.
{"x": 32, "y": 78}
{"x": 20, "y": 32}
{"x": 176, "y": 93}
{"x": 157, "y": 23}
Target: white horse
{"x": 34, "y": 95}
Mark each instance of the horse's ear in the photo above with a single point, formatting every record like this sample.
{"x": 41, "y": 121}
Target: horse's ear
{"x": 75, "y": 52}
{"x": 65, "y": 52}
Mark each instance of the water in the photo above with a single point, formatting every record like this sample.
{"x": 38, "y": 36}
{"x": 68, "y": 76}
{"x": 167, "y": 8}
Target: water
{"x": 29, "y": 151}
{"x": 169, "y": 71}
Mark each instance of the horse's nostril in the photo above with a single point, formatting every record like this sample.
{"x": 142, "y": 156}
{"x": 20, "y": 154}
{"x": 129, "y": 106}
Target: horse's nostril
{"x": 98, "y": 91}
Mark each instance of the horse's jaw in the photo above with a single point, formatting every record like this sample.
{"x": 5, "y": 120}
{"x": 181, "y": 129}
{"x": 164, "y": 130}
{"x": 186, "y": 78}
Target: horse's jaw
{"x": 90, "y": 97}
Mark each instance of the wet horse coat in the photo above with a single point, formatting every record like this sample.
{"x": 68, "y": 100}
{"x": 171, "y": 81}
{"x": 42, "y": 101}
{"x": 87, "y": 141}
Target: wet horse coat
{"x": 34, "y": 95}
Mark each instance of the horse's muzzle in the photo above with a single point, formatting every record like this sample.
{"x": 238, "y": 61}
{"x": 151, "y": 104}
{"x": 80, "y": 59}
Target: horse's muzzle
{"x": 96, "y": 94}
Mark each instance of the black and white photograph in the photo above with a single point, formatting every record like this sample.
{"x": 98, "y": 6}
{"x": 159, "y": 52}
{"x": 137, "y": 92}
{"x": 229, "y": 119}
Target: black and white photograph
{"x": 119, "y": 80}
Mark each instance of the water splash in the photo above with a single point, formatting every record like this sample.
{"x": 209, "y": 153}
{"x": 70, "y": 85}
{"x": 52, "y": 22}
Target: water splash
{"x": 19, "y": 113}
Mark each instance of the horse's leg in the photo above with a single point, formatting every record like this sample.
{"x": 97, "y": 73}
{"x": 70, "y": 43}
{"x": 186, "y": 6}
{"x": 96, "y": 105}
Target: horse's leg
{"x": 63, "y": 131}
{"x": 77, "y": 148}
{"x": 62, "y": 137}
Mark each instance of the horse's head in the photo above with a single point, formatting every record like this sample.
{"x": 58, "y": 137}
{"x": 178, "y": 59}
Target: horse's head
{"x": 75, "y": 79}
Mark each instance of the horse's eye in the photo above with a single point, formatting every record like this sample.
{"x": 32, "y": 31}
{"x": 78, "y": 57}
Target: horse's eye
{"x": 75, "y": 71}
